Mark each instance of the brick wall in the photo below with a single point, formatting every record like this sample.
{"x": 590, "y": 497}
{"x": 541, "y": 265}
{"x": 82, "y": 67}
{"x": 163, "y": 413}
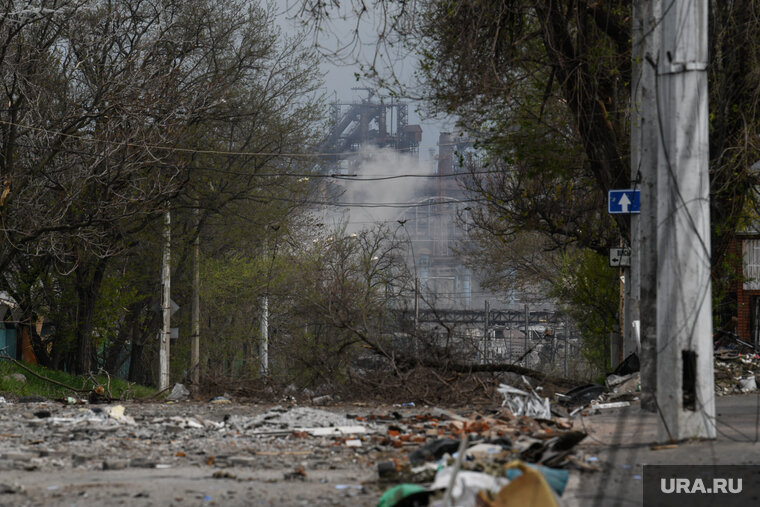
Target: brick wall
{"x": 743, "y": 297}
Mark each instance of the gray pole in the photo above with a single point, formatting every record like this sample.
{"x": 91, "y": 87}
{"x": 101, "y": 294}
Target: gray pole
{"x": 685, "y": 384}
{"x": 166, "y": 305}
{"x": 567, "y": 344}
{"x": 486, "y": 347}
{"x": 264, "y": 341}
{"x": 416, "y": 313}
{"x": 196, "y": 306}
{"x": 644, "y": 142}
{"x": 527, "y": 330}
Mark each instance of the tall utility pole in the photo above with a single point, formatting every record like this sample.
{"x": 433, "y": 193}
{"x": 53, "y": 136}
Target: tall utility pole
{"x": 685, "y": 388}
{"x": 486, "y": 341}
{"x": 264, "y": 342}
{"x": 527, "y": 333}
{"x": 416, "y": 315}
{"x": 195, "y": 345}
{"x": 644, "y": 149}
{"x": 166, "y": 305}
{"x": 567, "y": 344}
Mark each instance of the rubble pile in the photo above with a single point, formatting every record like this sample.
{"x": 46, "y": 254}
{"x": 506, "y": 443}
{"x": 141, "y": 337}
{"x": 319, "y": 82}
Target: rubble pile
{"x": 465, "y": 455}
{"x": 735, "y": 372}
{"x": 481, "y": 458}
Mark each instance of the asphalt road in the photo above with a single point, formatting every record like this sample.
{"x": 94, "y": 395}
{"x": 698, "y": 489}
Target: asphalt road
{"x": 622, "y": 441}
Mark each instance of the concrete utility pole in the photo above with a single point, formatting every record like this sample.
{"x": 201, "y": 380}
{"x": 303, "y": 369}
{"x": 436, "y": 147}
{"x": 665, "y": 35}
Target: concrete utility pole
{"x": 486, "y": 347}
{"x": 567, "y": 344}
{"x": 632, "y": 273}
{"x": 527, "y": 332}
{"x": 166, "y": 305}
{"x": 416, "y": 308}
{"x": 195, "y": 345}
{"x": 645, "y": 136}
{"x": 685, "y": 385}
{"x": 264, "y": 342}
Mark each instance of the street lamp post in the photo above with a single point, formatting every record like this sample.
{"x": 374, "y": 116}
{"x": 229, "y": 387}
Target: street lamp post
{"x": 416, "y": 281}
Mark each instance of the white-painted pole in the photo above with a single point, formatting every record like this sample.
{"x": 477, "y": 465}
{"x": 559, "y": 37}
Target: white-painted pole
{"x": 645, "y": 136}
{"x": 685, "y": 388}
{"x": 166, "y": 305}
{"x": 264, "y": 342}
{"x": 486, "y": 340}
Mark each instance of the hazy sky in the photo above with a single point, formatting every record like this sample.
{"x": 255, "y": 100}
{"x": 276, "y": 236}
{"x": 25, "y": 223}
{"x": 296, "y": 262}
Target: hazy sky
{"x": 341, "y": 78}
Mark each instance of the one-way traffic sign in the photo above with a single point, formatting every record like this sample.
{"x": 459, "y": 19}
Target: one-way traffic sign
{"x": 624, "y": 201}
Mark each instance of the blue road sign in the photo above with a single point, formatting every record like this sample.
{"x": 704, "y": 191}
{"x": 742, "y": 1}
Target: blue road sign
{"x": 624, "y": 201}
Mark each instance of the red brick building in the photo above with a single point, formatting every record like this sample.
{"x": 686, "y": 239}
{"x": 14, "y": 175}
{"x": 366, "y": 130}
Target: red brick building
{"x": 746, "y": 247}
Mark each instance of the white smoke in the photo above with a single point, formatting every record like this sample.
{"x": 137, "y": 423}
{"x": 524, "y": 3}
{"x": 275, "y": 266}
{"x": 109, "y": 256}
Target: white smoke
{"x": 383, "y": 200}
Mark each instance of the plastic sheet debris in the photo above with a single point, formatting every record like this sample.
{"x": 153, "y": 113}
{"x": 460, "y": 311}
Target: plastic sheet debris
{"x": 408, "y": 493}
{"x": 556, "y": 478}
{"x": 467, "y": 484}
{"x": 529, "y": 488}
{"x": 484, "y": 451}
{"x": 2, "y": 400}
{"x": 520, "y": 402}
{"x": 748, "y": 385}
{"x": 220, "y": 400}
{"x": 580, "y": 396}
{"x": 179, "y": 392}
{"x": 629, "y": 365}
{"x": 434, "y": 450}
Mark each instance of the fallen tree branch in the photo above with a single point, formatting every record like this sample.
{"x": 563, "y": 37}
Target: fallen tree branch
{"x": 46, "y": 379}
{"x": 502, "y": 367}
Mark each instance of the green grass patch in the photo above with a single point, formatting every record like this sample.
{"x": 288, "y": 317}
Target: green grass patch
{"x": 35, "y": 386}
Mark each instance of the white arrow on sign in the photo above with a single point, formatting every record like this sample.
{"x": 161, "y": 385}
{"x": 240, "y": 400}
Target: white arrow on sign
{"x": 624, "y": 202}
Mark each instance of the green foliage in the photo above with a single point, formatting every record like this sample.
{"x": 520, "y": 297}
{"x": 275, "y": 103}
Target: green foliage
{"x": 34, "y": 386}
{"x": 589, "y": 291}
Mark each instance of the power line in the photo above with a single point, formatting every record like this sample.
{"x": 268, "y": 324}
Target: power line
{"x": 196, "y": 151}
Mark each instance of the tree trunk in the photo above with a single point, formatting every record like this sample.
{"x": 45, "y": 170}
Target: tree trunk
{"x": 87, "y": 288}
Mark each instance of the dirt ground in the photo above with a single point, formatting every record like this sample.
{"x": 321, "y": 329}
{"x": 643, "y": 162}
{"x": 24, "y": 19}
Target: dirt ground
{"x": 191, "y": 453}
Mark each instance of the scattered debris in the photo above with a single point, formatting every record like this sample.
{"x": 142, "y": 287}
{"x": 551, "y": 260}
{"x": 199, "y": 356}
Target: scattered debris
{"x": 322, "y": 400}
{"x": 424, "y": 453}
{"x": 735, "y": 372}
{"x": 524, "y": 403}
{"x": 607, "y": 406}
{"x": 434, "y": 450}
{"x": 12, "y": 489}
{"x": 179, "y": 393}
{"x": 748, "y": 385}
{"x": 661, "y": 447}
{"x": 629, "y": 365}
{"x": 580, "y": 396}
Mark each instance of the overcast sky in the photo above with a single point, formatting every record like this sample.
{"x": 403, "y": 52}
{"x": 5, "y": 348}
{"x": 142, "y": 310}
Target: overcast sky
{"x": 341, "y": 78}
